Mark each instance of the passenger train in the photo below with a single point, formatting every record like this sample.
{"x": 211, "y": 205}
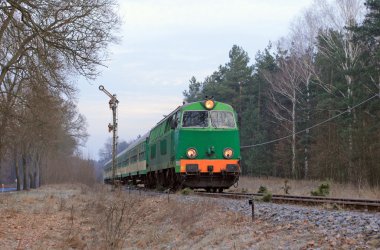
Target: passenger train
{"x": 195, "y": 146}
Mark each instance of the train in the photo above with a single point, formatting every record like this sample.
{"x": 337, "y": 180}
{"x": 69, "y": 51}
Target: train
{"x": 195, "y": 146}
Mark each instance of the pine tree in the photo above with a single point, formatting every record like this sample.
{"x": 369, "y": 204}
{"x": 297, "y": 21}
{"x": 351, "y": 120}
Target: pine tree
{"x": 195, "y": 91}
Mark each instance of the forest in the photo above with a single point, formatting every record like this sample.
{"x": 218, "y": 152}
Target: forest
{"x": 309, "y": 104}
{"x": 44, "y": 46}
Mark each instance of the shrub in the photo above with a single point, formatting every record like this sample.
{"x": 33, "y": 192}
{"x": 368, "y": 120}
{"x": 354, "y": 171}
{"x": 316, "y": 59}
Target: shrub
{"x": 336, "y": 206}
{"x": 322, "y": 190}
{"x": 160, "y": 188}
{"x": 267, "y": 196}
{"x": 262, "y": 190}
{"x": 286, "y": 187}
{"x": 186, "y": 191}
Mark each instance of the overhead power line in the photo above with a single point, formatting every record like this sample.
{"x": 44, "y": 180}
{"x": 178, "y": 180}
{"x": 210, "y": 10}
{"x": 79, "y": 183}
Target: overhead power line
{"x": 314, "y": 126}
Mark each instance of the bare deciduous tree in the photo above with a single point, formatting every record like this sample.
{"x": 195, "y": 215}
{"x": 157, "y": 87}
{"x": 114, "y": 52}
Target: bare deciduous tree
{"x": 41, "y": 43}
{"x": 338, "y": 45}
{"x": 76, "y": 31}
{"x": 286, "y": 86}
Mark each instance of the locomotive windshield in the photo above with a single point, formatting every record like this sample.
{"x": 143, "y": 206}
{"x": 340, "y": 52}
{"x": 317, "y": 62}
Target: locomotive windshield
{"x": 200, "y": 119}
{"x": 222, "y": 119}
{"x": 195, "y": 119}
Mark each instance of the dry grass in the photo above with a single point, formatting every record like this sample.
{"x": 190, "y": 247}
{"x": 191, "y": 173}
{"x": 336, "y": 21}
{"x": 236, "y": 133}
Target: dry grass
{"x": 77, "y": 217}
{"x": 189, "y": 225}
{"x": 304, "y": 187}
{"x": 62, "y": 216}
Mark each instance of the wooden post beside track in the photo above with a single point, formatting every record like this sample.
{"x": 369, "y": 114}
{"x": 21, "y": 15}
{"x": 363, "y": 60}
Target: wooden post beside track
{"x": 252, "y": 203}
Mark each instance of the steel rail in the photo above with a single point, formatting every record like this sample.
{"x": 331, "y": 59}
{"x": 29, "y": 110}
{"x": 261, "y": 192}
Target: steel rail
{"x": 342, "y": 203}
{"x": 362, "y": 204}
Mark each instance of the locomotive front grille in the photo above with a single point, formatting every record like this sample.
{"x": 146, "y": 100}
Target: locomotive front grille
{"x": 232, "y": 168}
{"x": 192, "y": 168}
{"x": 210, "y": 168}
{"x": 214, "y": 166}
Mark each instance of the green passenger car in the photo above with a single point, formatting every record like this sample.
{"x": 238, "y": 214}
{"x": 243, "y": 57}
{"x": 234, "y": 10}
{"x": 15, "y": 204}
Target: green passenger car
{"x": 130, "y": 163}
{"x": 196, "y": 146}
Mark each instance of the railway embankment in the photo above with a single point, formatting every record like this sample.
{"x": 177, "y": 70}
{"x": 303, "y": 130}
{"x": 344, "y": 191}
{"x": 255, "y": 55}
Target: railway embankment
{"x": 332, "y": 227}
{"x": 81, "y": 217}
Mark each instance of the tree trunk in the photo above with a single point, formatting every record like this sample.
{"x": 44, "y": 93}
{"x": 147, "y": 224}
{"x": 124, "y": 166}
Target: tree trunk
{"x": 17, "y": 170}
{"x": 294, "y": 174}
{"x": 36, "y": 167}
{"x": 351, "y": 171}
{"x": 39, "y": 174}
{"x": 32, "y": 179}
{"x": 25, "y": 174}
{"x": 33, "y": 173}
{"x": 306, "y": 145}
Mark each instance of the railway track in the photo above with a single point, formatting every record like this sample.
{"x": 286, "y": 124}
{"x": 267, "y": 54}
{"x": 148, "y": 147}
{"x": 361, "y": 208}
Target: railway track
{"x": 340, "y": 203}
{"x": 343, "y": 203}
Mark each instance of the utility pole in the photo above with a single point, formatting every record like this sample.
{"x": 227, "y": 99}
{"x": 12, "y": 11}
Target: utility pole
{"x": 113, "y": 106}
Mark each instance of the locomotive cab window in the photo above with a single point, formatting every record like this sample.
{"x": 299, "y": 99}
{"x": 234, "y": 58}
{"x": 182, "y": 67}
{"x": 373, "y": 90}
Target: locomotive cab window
{"x": 198, "y": 119}
{"x": 222, "y": 119}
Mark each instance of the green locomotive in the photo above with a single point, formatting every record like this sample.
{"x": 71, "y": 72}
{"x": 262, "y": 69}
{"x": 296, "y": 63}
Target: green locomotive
{"x": 196, "y": 146}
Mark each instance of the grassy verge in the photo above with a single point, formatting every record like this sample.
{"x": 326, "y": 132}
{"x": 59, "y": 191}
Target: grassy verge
{"x": 304, "y": 187}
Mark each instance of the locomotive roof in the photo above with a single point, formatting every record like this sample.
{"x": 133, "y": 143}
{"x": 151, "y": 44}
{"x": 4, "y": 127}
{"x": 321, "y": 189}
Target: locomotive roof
{"x": 199, "y": 106}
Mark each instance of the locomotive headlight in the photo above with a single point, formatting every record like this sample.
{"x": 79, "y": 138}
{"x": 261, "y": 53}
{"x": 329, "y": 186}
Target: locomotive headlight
{"x": 191, "y": 153}
{"x": 228, "y": 153}
{"x": 209, "y": 104}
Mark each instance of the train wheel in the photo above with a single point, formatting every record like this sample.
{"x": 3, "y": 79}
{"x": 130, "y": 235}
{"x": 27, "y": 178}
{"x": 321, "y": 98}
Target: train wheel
{"x": 167, "y": 179}
{"x": 172, "y": 179}
{"x": 147, "y": 181}
{"x": 160, "y": 176}
{"x": 151, "y": 180}
{"x": 134, "y": 181}
{"x": 177, "y": 181}
{"x": 220, "y": 190}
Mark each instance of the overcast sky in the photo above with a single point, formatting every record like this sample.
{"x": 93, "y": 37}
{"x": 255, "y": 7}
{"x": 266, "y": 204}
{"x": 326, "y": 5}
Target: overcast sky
{"x": 163, "y": 43}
